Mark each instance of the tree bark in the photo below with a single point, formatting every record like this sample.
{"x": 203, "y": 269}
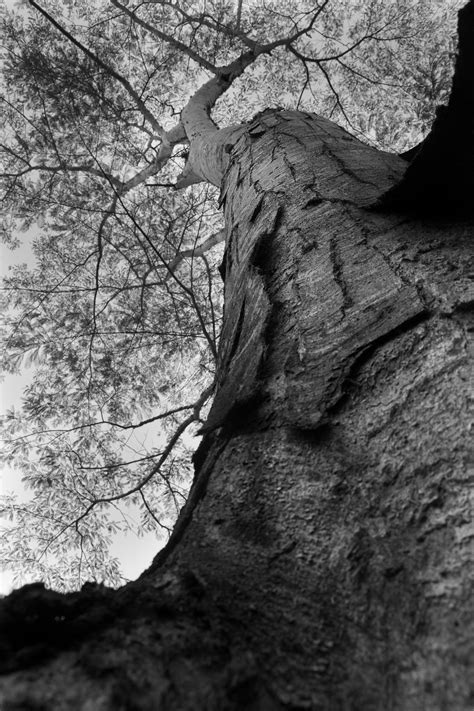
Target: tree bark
{"x": 324, "y": 559}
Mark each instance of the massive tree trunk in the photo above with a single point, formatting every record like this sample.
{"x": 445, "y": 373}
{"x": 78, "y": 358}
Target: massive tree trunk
{"x": 324, "y": 558}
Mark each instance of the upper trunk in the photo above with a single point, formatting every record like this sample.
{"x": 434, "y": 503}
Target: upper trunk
{"x": 322, "y": 560}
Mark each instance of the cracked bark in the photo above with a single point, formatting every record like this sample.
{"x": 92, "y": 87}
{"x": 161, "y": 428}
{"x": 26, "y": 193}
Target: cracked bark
{"x": 324, "y": 559}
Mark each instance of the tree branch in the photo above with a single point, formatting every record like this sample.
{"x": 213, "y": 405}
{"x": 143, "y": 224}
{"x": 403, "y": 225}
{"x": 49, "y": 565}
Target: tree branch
{"x": 166, "y": 38}
{"x": 106, "y": 67}
{"x": 198, "y": 251}
{"x": 168, "y": 449}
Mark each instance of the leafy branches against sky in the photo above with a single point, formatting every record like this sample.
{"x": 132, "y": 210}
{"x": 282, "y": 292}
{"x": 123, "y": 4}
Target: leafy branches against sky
{"x": 120, "y": 316}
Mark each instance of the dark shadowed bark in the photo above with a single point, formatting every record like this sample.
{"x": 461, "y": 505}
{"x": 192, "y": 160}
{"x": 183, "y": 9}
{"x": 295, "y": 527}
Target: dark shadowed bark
{"x": 324, "y": 558}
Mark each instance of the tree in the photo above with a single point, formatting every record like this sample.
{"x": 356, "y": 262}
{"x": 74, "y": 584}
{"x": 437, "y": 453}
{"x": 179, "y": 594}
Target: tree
{"x": 121, "y": 315}
{"x": 322, "y": 558}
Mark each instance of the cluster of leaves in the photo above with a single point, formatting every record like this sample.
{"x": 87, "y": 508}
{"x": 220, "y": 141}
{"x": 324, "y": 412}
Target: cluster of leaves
{"x": 120, "y": 315}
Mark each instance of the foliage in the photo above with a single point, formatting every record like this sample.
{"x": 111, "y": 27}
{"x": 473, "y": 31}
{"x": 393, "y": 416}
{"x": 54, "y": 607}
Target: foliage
{"x": 120, "y": 315}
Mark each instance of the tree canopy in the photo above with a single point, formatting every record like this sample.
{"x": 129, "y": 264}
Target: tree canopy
{"x": 120, "y": 315}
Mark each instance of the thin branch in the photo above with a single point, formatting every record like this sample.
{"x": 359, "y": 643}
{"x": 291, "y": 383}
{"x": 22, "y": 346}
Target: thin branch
{"x": 65, "y": 168}
{"x": 198, "y": 251}
{"x": 112, "y": 465}
{"x": 150, "y": 511}
{"x": 155, "y": 470}
{"x": 106, "y": 67}
{"x": 110, "y": 423}
{"x": 207, "y": 20}
{"x": 166, "y": 38}
{"x": 238, "y": 15}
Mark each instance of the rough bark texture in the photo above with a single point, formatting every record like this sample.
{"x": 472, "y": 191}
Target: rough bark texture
{"x": 324, "y": 559}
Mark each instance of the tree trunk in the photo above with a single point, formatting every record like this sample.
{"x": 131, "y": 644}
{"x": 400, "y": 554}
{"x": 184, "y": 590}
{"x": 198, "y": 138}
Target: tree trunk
{"x": 324, "y": 558}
